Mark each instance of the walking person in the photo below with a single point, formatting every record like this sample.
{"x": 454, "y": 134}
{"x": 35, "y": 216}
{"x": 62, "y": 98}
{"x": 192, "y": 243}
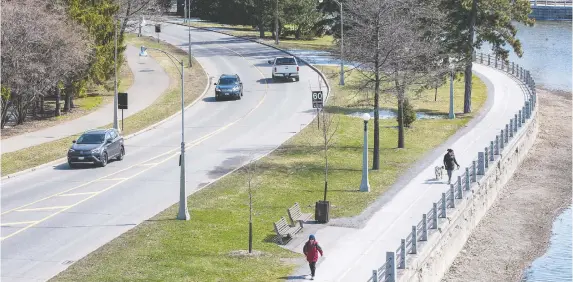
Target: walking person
{"x": 449, "y": 162}
{"x": 311, "y": 250}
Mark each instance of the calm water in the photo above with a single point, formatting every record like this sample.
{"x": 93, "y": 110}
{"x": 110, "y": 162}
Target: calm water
{"x": 555, "y": 265}
{"x": 546, "y": 53}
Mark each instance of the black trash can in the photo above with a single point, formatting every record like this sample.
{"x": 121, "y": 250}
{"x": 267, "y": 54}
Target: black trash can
{"x": 321, "y": 211}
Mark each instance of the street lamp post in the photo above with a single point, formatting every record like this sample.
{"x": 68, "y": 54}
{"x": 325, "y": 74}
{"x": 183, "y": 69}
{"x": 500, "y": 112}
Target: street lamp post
{"x": 365, "y": 185}
{"x": 183, "y": 213}
{"x": 277, "y": 22}
{"x": 341, "y": 41}
{"x": 189, "y": 30}
{"x": 452, "y": 115}
{"x": 115, "y": 101}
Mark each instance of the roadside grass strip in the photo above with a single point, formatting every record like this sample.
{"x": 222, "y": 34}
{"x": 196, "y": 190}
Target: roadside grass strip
{"x": 205, "y": 248}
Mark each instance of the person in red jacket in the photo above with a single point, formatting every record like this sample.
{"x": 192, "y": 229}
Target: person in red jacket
{"x": 311, "y": 250}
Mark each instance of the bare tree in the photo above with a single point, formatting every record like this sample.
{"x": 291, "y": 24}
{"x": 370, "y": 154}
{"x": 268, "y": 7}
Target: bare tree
{"x": 250, "y": 171}
{"x": 131, "y": 12}
{"x": 387, "y": 38}
{"x": 329, "y": 128}
{"x": 40, "y": 47}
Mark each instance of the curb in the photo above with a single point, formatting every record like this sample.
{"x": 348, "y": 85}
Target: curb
{"x": 63, "y": 160}
{"x": 271, "y": 46}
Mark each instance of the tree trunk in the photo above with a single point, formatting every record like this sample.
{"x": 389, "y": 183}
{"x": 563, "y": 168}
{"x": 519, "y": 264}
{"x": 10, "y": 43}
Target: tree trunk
{"x": 376, "y": 152}
{"x": 42, "y": 104}
{"x": 400, "y": 119}
{"x": 58, "y": 106}
{"x": 67, "y": 100}
{"x": 469, "y": 50}
{"x": 436, "y": 94}
{"x": 297, "y": 33}
{"x": 261, "y": 30}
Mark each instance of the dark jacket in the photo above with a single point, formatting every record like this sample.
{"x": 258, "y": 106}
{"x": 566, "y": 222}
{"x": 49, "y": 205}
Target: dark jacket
{"x": 311, "y": 251}
{"x": 450, "y": 161}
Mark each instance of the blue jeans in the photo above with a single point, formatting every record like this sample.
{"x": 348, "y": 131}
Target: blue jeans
{"x": 450, "y": 174}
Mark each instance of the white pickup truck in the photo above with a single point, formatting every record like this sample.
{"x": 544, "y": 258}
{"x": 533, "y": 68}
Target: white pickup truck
{"x": 285, "y": 67}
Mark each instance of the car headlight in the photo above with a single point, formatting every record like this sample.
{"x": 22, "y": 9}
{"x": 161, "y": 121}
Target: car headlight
{"x": 236, "y": 88}
{"x": 95, "y": 151}
{"x": 71, "y": 150}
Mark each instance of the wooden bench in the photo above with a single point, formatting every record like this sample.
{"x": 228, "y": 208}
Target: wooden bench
{"x": 284, "y": 230}
{"x": 296, "y": 215}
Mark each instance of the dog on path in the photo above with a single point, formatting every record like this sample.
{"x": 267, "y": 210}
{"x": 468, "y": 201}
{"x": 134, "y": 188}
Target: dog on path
{"x": 439, "y": 171}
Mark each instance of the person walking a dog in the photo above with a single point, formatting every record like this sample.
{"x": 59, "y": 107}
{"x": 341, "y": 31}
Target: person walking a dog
{"x": 311, "y": 249}
{"x": 449, "y": 162}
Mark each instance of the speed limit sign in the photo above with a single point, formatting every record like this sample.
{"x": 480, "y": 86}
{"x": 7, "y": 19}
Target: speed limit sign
{"x": 317, "y": 99}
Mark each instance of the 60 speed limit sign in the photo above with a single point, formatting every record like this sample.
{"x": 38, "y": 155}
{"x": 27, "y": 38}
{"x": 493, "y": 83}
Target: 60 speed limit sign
{"x": 317, "y": 99}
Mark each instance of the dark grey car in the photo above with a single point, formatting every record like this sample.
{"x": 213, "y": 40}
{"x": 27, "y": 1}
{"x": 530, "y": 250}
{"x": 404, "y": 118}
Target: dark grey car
{"x": 96, "y": 146}
{"x": 229, "y": 86}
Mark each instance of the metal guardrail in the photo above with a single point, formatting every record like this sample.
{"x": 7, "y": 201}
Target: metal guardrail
{"x": 387, "y": 272}
{"x": 562, "y": 3}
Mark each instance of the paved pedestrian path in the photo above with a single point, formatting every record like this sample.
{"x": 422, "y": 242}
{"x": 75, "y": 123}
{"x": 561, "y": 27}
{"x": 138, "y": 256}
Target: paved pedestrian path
{"x": 150, "y": 81}
{"x": 352, "y": 253}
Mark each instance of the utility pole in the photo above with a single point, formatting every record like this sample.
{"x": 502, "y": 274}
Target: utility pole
{"x": 115, "y": 102}
{"x": 189, "y": 29}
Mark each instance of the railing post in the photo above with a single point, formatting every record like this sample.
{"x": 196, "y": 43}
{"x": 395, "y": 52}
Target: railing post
{"x": 375, "y": 275}
{"x": 528, "y": 109}
{"x": 390, "y": 267}
{"x": 481, "y": 162}
{"x": 414, "y": 250}
{"x": 510, "y": 127}
{"x": 481, "y": 57}
{"x": 434, "y": 216}
{"x": 424, "y": 236}
{"x": 506, "y": 133}
{"x": 460, "y": 190}
{"x": 444, "y": 206}
{"x": 491, "y": 151}
{"x": 452, "y": 196}
{"x": 402, "y": 263}
{"x": 467, "y": 178}
{"x": 488, "y": 59}
{"x": 515, "y": 124}
{"x": 486, "y": 158}
{"x": 520, "y": 119}
{"x": 501, "y": 140}
{"x": 513, "y": 68}
{"x": 497, "y": 145}
{"x": 523, "y": 114}
{"x": 459, "y": 186}
{"x": 496, "y": 61}
{"x": 474, "y": 171}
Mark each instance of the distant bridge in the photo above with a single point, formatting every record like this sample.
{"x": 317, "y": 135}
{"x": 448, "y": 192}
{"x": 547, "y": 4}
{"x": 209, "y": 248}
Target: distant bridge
{"x": 553, "y": 10}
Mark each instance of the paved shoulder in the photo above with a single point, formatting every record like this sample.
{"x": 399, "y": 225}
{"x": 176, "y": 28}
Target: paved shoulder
{"x": 150, "y": 81}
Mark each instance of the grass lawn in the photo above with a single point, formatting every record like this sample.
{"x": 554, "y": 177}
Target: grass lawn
{"x": 164, "y": 249}
{"x": 166, "y": 105}
{"x": 320, "y": 43}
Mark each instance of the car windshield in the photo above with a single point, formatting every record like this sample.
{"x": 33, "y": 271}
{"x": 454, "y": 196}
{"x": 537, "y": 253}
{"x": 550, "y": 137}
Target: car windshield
{"x": 285, "y": 61}
{"x": 227, "y": 81}
{"x": 96, "y": 138}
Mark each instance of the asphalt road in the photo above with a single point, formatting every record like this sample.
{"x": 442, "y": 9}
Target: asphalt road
{"x": 54, "y": 216}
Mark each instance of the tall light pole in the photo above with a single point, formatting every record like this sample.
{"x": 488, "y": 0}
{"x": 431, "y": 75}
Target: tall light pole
{"x": 277, "y": 22}
{"x": 189, "y": 29}
{"x": 115, "y": 101}
{"x": 365, "y": 184}
{"x": 341, "y": 41}
{"x": 452, "y": 115}
{"x": 183, "y": 213}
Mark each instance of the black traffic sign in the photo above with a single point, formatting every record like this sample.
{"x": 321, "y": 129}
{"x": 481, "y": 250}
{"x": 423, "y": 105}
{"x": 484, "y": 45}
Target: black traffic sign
{"x": 122, "y": 101}
{"x": 317, "y": 101}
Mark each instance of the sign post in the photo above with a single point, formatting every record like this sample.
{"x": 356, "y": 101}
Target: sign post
{"x": 157, "y": 30}
{"x": 317, "y": 103}
{"x": 122, "y": 105}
